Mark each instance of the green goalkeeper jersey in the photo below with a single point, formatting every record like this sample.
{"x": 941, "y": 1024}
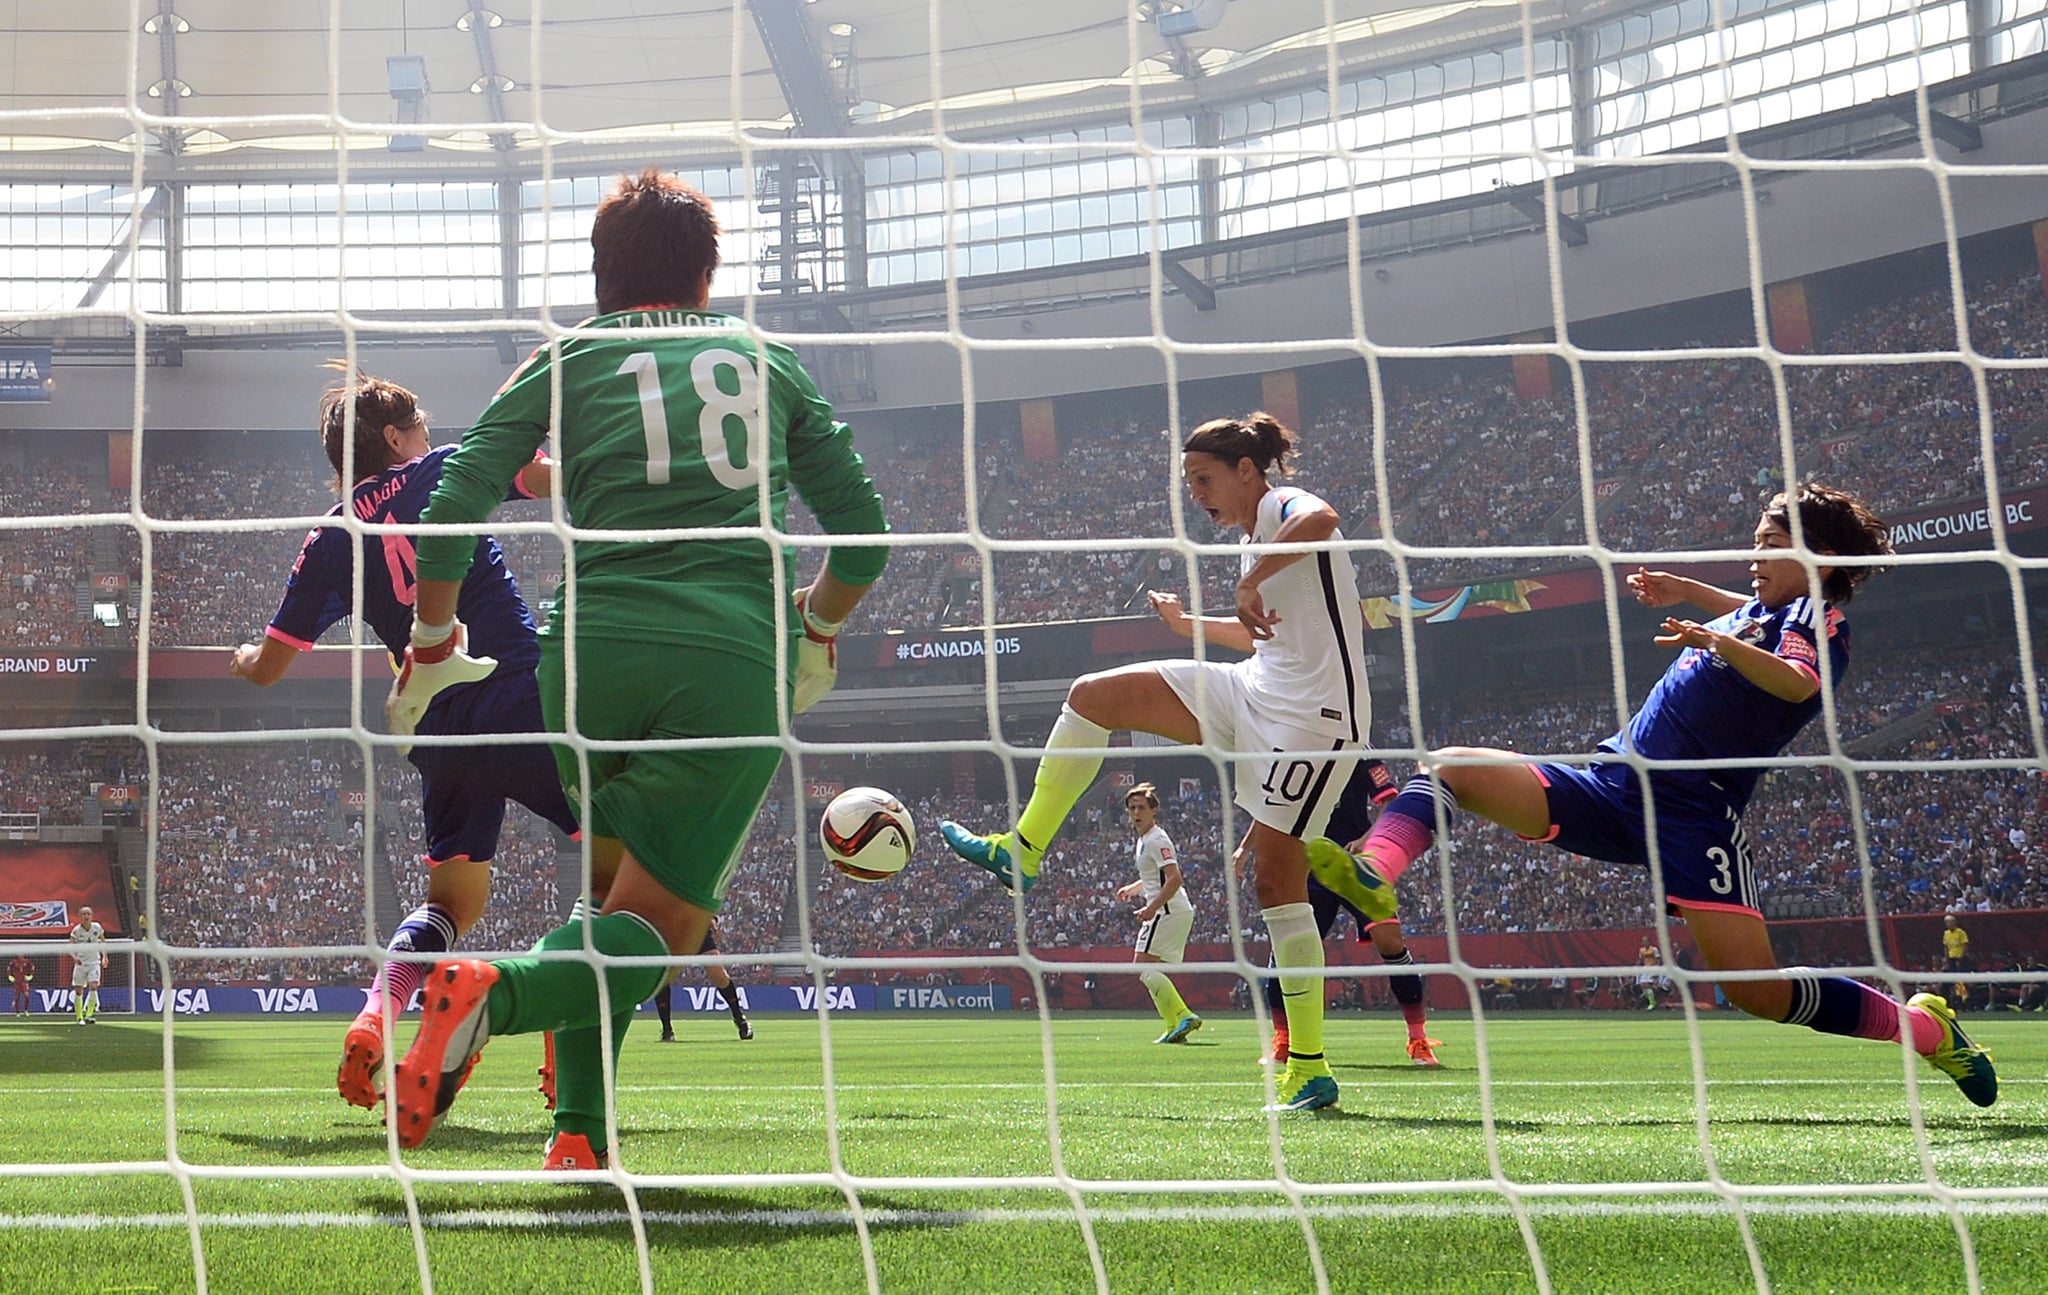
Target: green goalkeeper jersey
{"x": 663, "y": 433}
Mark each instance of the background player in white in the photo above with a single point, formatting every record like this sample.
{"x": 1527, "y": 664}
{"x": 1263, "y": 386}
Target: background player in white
{"x": 1167, "y": 915}
{"x": 86, "y": 961}
{"x": 1303, "y": 692}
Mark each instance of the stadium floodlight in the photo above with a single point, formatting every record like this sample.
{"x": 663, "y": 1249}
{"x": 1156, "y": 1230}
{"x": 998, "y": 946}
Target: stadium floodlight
{"x": 407, "y": 77}
{"x": 1203, "y": 15}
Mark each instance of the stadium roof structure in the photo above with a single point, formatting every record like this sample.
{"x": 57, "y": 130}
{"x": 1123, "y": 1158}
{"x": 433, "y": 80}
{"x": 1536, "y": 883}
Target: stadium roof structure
{"x": 241, "y": 84}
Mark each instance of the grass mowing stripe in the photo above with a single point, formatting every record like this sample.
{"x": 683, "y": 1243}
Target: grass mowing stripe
{"x": 940, "y": 1122}
{"x": 1411, "y": 1211}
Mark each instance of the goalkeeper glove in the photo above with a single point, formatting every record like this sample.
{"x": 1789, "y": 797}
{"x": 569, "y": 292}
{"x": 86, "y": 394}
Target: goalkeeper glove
{"x": 433, "y": 663}
{"x": 817, "y": 657}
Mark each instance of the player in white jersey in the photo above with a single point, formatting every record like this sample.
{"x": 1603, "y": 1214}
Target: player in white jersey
{"x": 1166, "y": 915}
{"x": 1296, "y": 706}
{"x": 86, "y": 960}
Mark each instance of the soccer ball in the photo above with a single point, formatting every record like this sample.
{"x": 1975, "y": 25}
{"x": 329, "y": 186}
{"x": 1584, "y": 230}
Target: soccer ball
{"x": 867, "y": 834}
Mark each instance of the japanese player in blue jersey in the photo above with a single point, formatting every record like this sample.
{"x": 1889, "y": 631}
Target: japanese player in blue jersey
{"x": 1743, "y": 685}
{"x": 463, "y": 789}
{"x": 1371, "y": 785}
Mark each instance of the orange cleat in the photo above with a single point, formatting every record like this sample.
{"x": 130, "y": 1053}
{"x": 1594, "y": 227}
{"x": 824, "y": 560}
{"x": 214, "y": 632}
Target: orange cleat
{"x": 362, "y": 1057}
{"x": 1419, "y": 1051}
{"x": 571, "y": 1153}
{"x": 454, "y": 1026}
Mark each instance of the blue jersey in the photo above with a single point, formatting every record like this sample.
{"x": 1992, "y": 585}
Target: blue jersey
{"x": 320, "y": 589}
{"x": 1703, "y": 709}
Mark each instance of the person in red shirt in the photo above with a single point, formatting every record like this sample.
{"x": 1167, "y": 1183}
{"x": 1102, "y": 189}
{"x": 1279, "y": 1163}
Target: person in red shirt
{"x": 21, "y": 971}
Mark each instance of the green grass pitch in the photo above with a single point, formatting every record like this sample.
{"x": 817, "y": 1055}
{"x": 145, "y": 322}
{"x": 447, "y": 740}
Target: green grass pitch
{"x": 1574, "y": 1100}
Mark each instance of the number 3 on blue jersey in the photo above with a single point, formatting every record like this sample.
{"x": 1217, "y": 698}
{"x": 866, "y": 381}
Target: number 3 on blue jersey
{"x": 714, "y": 441}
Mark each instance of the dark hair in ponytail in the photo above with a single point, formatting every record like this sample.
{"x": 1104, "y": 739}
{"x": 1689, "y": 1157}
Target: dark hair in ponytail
{"x": 1260, "y": 437}
{"x": 378, "y": 405}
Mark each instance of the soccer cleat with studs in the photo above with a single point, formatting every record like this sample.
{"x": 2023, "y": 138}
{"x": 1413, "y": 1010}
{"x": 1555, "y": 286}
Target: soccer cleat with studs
{"x": 571, "y": 1153}
{"x": 1180, "y": 1030}
{"x": 455, "y": 1023}
{"x": 1352, "y": 878}
{"x": 1957, "y": 1057}
{"x": 362, "y": 1057}
{"x": 1420, "y": 1052}
{"x": 995, "y": 854}
{"x": 1302, "y": 1088}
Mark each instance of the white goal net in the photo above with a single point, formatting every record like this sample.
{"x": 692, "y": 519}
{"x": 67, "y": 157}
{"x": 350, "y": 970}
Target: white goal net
{"x": 1552, "y": 294}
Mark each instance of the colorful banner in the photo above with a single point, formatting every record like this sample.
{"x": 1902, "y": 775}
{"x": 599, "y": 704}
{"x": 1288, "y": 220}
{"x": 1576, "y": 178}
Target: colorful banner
{"x": 42, "y": 887}
{"x": 1499, "y": 597}
{"x": 1791, "y": 318}
{"x": 1041, "y": 440}
{"x": 26, "y": 375}
{"x": 1280, "y": 396}
{"x": 1532, "y": 372}
{"x": 329, "y": 1000}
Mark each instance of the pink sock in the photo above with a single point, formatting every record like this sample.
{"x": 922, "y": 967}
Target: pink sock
{"x": 1414, "y": 1014}
{"x": 1879, "y": 1019}
{"x": 1926, "y": 1030}
{"x": 1397, "y": 841}
{"x": 395, "y": 984}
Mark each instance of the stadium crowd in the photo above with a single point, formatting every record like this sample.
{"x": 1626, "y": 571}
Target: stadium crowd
{"x": 261, "y": 845}
{"x": 1682, "y": 448}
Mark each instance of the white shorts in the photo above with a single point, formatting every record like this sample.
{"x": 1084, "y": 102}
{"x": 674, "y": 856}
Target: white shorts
{"x": 1165, "y": 937}
{"x": 1294, "y": 795}
{"x": 83, "y": 977}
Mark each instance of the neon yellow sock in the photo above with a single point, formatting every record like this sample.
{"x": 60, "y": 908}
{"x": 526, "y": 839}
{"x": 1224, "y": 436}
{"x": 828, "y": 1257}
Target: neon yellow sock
{"x": 1060, "y": 782}
{"x": 1298, "y": 946}
{"x": 1165, "y": 997}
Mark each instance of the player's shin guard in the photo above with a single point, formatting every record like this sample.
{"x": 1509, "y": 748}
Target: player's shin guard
{"x": 561, "y": 995}
{"x": 1839, "y": 1005}
{"x": 427, "y": 929}
{"x": 1407, "y": 826}
{"x": 1061, "y": 780}
{"x": 1297, "y": 948}
{"x": 1166, "y": 999}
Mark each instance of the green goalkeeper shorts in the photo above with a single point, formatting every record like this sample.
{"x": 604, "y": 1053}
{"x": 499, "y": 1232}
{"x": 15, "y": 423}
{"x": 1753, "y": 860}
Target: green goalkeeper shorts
{"x": 684, "y": 814}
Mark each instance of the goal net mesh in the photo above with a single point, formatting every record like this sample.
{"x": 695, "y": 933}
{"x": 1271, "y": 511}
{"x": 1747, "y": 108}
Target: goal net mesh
{"x": 1529, "y": 448}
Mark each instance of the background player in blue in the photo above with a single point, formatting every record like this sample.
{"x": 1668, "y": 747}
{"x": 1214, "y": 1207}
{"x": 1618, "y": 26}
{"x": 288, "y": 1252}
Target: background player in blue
{"x": 1744, "y": 684}
{"x": 463, "y": 790}
{"x": 1371, "y": 785}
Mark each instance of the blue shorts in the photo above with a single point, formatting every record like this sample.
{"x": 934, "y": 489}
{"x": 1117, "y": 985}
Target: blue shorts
{"x": 463, "y": 790}
{"x": 1597, "y": 811}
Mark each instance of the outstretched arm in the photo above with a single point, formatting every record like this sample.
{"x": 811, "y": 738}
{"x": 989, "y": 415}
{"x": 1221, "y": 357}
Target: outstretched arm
{"x": 1663, "y": 589}
{"x": 1218, "y": 631}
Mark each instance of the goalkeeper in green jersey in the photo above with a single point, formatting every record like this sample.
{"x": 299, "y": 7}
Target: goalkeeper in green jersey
{"x": 707, "y": 427}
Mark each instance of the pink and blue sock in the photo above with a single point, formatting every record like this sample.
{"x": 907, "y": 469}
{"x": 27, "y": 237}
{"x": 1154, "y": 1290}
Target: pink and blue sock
{"x": 1407, "y": 826}
{"x": 427, "y": 929}
{"x": 1839, "y": 1005}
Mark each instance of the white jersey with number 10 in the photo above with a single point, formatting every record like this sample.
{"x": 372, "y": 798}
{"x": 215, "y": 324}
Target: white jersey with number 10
{"x": 1311, "y": 673}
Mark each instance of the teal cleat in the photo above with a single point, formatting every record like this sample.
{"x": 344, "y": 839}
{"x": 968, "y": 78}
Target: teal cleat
{"x": 1182, "y": 1028}
{"x": 992, "y": 853}
{"x": 1957, "y": 1057}
{"x": 1302, "y": 1090}
{"x": 1352, "y": 878}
